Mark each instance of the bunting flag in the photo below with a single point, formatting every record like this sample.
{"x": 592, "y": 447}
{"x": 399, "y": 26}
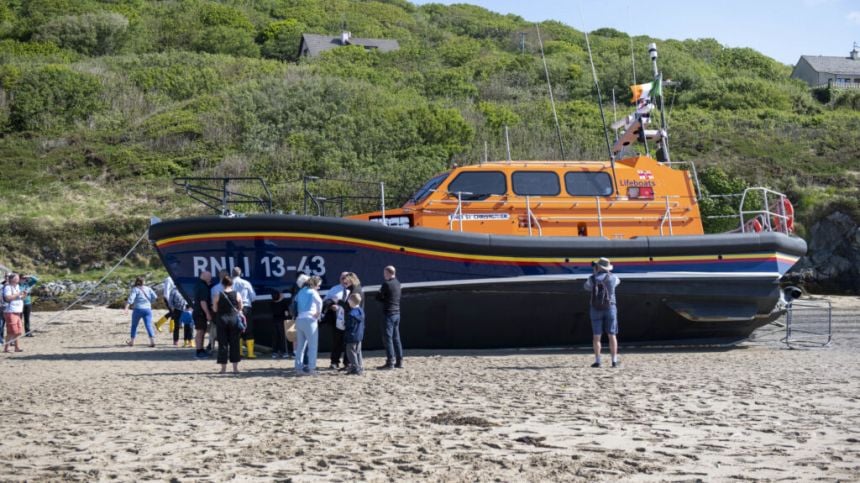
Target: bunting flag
{"x": 646, "y": 91}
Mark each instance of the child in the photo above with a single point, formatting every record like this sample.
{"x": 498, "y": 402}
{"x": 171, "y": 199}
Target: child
{"x": 354, "y": 334}
{"x": 279, "y": 318}
{"x": 187, "y": 321}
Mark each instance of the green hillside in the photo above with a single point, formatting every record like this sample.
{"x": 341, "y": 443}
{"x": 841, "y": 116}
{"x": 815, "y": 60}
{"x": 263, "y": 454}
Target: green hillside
{"x": 103, "y": 102}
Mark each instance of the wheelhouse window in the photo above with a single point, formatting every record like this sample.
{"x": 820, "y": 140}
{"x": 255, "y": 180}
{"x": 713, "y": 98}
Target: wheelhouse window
{"x": 479, "y": 184}
{"x": 583, "y": 183}
{"x": 536, "y": 183}
{"x": 428, "y": 188}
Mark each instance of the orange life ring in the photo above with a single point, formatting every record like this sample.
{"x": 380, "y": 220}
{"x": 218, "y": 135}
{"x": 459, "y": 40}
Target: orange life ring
{"x": 754, "y": 225}
{"x": 785, "y": 224}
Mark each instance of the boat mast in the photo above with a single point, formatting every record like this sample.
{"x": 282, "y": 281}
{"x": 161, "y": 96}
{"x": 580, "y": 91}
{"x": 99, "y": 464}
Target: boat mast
{"x": 551, "y": 99}
{"x": 658, "y": 78}
{"x": 602, "y": 115}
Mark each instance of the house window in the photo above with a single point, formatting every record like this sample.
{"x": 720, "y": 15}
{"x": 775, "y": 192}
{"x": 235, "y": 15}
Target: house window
{"x": 480, "y": 184}
{"x": 536, "y": 183}
{"x": 584, "y": 183}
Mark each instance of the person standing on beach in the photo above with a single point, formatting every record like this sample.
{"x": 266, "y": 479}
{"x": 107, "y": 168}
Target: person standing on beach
{"x": 279, "y": 321}
{"x": 333, "y": 315}
{"x": 246, "y": 290}
{"x": 604, "y": 316}
{"x": 178, "y": 305}
{"x": 309, "y": 307}
{"x": 12, "y": 312}
{"x": 228, "y": 308}
{"x": 215, "y": 289}
{"x": 26, "y": 285}
{"x": 201, "y": 313}
{"x": 389, "y": 295}
{"x": 166, "y": 289}
{"x": 354, "y": 334}
{"x": 141, "y": 299}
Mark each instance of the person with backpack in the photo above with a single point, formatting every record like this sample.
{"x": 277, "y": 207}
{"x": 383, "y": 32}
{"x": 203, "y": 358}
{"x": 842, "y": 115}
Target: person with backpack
{"x": 604, "y": 315}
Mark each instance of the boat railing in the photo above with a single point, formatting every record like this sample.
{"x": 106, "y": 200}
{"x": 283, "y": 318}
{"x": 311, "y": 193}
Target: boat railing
{"x": 226, "y": 195}
{"x": 761, "y": 209}
{"x": 531, "y": 217}
{"x": 458, "y": 213}
{"x": 666, "y": 217}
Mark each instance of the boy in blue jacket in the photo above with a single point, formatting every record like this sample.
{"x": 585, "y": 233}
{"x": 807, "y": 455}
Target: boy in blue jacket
{"x": 354, "y": 334}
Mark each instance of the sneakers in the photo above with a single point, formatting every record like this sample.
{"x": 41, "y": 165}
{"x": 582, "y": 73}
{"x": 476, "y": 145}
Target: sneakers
{"x": 333, "y": 367}
{"x": 616, "y": 364}
{"x": 275, "y": 355}
{"x": 596, "y": 364}
{"x": 385, "y": 367}
{"x": 287, "y": 356}
{"x": 398, "y": 364}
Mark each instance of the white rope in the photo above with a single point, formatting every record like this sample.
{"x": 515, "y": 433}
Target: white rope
{"x": 89, "y": 291}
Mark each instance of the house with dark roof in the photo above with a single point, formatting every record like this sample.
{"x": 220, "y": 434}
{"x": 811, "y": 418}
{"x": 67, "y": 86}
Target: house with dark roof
{"x": 312, "y": 45}
{"x": 822, "y": 70}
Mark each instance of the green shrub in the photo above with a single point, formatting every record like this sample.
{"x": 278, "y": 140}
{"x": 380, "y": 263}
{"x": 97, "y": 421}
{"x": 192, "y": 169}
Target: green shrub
{"x": 281, "y": 39}
{"x": 90, "y": 34}
{"x": 53, "y": 97}
{"x": 228, "y": 40}
{"x": 848, "y": 99}
{"x": 742, "y": 93}
{"x": 32, "y": 51}
{"x": 497, "y": 116}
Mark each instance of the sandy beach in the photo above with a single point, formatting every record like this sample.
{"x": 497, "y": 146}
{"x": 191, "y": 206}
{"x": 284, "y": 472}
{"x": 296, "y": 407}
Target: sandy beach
{"x": 79, "y": 406}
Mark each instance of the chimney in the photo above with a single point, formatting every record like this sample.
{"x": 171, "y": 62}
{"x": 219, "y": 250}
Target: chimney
{"x": 344, "y": 37}
{"x": 853, "y": 55}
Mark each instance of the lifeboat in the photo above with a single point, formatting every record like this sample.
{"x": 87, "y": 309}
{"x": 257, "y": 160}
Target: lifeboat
{"x": 495, "y": 254}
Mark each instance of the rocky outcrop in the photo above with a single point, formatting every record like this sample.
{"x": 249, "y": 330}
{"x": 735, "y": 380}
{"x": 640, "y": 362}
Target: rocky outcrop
{"x": 832, "y": 264}
{"x": 59, "y": 294}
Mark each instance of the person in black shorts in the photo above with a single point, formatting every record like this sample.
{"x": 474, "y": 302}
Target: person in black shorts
{"x": 202, "y": 313}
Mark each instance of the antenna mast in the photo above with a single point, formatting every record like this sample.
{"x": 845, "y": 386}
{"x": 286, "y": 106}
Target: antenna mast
{"x": 551, "y": 99}
{"x": 658, "y": 78}
{"x": 602, "y": 116}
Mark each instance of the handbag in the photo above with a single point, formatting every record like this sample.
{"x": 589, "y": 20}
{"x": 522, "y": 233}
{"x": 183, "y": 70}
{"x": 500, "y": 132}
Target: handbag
{"x": 291, "y": 330}
{"x": 241, "y": 322}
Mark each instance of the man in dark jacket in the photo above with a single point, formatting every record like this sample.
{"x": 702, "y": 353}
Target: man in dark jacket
{"x": 389, "y": 295}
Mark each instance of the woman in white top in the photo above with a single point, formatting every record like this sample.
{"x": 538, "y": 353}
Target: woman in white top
{"x": 309, "y": 307}
{"x": 14, "y": 298}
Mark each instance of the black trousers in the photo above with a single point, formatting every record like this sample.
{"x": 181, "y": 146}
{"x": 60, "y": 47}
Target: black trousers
{"x": 279, "y": 344}
{"x": 249, "y": 331}
{"x": 176, "y": 314}
{"x": 27, "y": 308}
{"x": 228, "y": 339}
{"x": 338, "y": 347}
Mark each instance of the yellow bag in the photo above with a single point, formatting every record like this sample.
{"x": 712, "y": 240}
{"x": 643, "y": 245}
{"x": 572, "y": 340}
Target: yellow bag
{"x": 291, "y": 330}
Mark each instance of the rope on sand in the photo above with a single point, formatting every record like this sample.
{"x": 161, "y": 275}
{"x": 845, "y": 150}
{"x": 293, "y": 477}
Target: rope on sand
{"x": 89, "y": 291}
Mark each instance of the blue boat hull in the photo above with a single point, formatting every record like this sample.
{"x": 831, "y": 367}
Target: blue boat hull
{"x": 481, "y": 291}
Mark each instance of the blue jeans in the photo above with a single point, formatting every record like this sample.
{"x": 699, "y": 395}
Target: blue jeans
{"x": 2, "y": 328}
{"x": 391, "y": 339}
{"x": 146, "y": 315}
{"x": 605, "y": 320}
{"x": 307, "y": 336}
